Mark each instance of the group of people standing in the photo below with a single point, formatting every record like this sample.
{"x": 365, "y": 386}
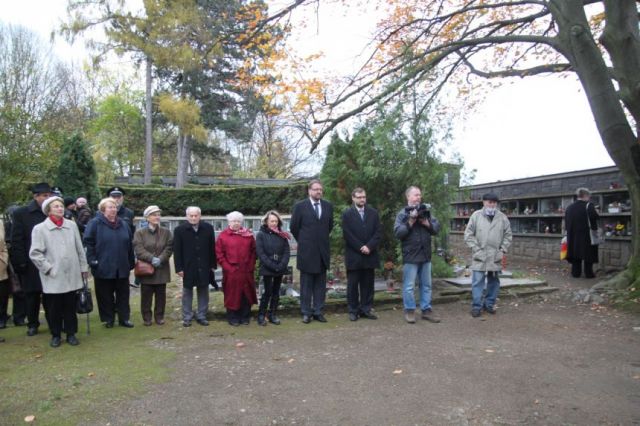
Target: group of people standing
{"x": 53, "y": 253}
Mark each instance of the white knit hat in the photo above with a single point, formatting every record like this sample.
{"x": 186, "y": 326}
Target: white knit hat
{"x": 150, "y": 210}
{"x": 45, "y": 203}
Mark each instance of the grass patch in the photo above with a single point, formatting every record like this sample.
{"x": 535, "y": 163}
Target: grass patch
{"x": 71, "y": 385}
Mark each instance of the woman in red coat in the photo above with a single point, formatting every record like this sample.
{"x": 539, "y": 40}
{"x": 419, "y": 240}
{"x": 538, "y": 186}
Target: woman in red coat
{"x": 236, "y": 252}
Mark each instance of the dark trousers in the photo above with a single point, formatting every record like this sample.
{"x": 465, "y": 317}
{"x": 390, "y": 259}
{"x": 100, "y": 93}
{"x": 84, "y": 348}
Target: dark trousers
{"x": 576, "y": 269}
{"x": 60, "y": 312}
{"x": 113, "y": 296}
{"x": 4, "y": 299}
{"x": 239, "y": 314}
{"x": 360, "y": 290}
{"x": 271, "y": 295}
{"x": 19, "y": 311}
{"x": 313, "y": 290}
{"x": 147, "y": 292}
{"x": 32, "y": 302}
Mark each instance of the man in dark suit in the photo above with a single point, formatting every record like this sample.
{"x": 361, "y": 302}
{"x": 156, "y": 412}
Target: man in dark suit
{"x": 24, "y": 220}
{"x": 194, "y": 257}
{"x": 311, "y": 224}
{"x": 362, "y": 232}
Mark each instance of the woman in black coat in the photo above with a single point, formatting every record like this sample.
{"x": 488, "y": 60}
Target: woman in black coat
{"x": 272, "y": 247}
{"x": 576, "y": 221}
{"x": 110, "y": 255}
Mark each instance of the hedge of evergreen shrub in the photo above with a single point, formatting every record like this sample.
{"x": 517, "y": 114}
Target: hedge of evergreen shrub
{"x": 214, "y": 200}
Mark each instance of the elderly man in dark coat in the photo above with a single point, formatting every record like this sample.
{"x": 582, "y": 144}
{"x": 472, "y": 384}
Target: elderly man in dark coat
{"x": 577, "y": 218}
{"x": 194, "y": 259}
{"x": 24, "y": 220}
{"x": 311, "y": 224}
{"x": 362, "y": 232}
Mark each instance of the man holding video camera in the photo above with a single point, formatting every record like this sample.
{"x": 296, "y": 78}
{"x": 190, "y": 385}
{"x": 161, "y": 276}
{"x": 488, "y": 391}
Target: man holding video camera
{"x": 414, "y": 227}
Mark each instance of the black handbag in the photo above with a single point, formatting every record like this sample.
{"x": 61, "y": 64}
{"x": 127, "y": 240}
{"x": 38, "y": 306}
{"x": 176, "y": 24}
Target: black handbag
{"x": 84, "y": 301}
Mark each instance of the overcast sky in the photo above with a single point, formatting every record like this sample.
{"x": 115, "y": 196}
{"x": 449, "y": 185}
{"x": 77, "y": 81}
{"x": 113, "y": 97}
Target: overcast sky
{"x": 527, "y": 127}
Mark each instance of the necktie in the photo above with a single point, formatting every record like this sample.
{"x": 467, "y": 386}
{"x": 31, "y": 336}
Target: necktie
{"x": 316, "y": 206}
{"x": 361, "y": 214}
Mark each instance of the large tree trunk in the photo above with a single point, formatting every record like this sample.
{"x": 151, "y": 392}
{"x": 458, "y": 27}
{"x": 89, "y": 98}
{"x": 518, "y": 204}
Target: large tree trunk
{"x": 184, "y": 154}
{"x": 148, "y": 146}
{"x": 615, "y": 130}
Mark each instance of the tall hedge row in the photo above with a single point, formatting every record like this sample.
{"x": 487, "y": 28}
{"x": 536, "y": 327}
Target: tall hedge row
{"x": 214, "y": 200}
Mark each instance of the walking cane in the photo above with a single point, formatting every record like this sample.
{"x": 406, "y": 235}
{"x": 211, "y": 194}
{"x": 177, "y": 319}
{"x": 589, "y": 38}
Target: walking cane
{"x": 87, "y": 296}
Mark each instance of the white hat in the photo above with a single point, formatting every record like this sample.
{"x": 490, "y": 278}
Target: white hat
{"x": 45, "y": 203}
{"x": 150, "y": 210}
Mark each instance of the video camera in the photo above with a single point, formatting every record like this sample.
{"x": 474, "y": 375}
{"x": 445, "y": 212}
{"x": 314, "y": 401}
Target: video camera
{"x": 421, "y": 211}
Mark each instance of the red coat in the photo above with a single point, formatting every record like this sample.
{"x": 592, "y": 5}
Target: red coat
{"x": 236, "y": 253}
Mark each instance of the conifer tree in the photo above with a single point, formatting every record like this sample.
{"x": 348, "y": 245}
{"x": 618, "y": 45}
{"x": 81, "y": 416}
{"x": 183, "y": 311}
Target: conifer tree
{"x": 77, "y": 170}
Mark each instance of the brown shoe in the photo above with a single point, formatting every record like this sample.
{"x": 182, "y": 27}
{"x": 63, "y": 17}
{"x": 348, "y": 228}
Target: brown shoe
{"x": 410, "y": 317}
{"x": 429, "y": 316}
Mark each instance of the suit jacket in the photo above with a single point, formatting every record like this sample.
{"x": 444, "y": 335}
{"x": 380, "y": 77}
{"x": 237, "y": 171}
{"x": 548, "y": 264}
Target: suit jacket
{"x": 194, "y": 253}
{"x": 312, "y": 235}
{"x": 24, "y": 220}
{"x": 357, "y": 233}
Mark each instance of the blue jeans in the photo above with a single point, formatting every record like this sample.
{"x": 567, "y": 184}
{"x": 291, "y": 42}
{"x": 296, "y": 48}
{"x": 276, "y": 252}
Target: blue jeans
{"x": 409, "y": 273}
{"x": 477, "y": 287}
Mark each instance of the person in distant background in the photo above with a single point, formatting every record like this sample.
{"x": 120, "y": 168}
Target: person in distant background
{"x": 576, "y": 222}
{"x": 84, "y": 214}
{"x": 70, "y": 208}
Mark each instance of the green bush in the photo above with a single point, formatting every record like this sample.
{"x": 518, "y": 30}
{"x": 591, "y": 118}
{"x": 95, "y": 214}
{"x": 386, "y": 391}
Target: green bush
{"x": 440, "y": 268}
{"x": 214, "y": 200}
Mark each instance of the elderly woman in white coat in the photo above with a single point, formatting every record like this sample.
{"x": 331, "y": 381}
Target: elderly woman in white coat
{"x": 57, "y": 252}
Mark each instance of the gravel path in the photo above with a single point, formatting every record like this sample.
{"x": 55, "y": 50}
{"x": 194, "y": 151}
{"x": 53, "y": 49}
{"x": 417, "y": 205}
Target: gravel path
{"x": 539, "y": 361}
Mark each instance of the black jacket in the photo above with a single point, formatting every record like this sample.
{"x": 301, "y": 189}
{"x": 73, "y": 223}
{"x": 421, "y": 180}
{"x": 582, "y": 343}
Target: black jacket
{"x": 109, "y": 249}
{"x": 312, "y": 235}
{"x": 24, "y": 220}
{"x": 357, "y": 233}
{"x": 577, "y": 226}
{"x": 415, "y": 240}
{"x": 194, "y": 253}
{"x": 273, "y": 252}
{"x": 127, "y": 216}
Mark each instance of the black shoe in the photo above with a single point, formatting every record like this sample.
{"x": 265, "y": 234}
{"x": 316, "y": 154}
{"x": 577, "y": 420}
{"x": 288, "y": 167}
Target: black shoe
{"x": 3, "y": 324}
{"x": 475, "y": 313}
{"x": 32, "y": 331}
{"x": 273, "y": 319}
{"x": 353, "y": 317}
{"x": 186, "y": 323}
{"x": 489, "y": 309}
{"x": 368, "y": 315}
{"x": 55, "y": 342}
{"x": 261, "y": 320}
{"x": 108, "y": 324}
{"x": 306, "y": 319}
{"x": 203, "y": 322}
{"x": 234, "y": 322}
{"x": 320, "y": 318}
{"x": 127, "y": 324}
{"x": 245, "y": 321}
{"x": 72, "y": 340}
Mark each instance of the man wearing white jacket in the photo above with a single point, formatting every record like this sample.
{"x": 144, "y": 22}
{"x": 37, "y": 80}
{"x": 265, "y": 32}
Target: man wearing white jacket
{"x": 488, "y": 234}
